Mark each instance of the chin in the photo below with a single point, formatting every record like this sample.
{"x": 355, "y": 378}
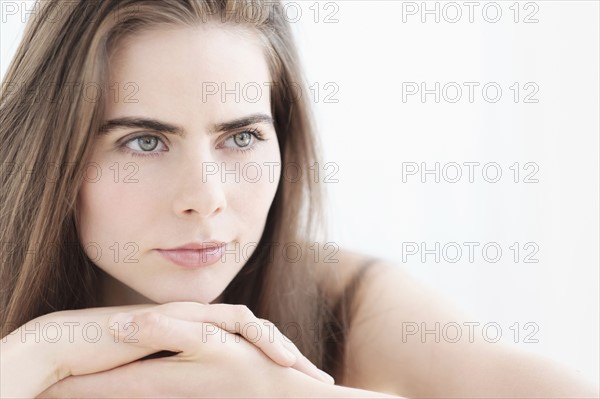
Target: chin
{"x": 204, "y": 298}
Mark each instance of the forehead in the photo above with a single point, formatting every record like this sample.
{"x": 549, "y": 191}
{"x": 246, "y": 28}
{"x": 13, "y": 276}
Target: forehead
{"x": 174, "y": 70}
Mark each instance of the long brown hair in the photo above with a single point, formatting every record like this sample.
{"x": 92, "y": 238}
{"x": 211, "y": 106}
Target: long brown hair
{"x": 46, "y": 134}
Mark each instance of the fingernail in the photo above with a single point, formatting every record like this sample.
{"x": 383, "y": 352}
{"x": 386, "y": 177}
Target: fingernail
{"x": 326, "y": 377}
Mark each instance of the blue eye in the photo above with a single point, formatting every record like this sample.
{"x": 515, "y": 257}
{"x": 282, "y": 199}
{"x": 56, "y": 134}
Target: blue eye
{"x": 243, "y": 140}
{"x": 146, "y": 144}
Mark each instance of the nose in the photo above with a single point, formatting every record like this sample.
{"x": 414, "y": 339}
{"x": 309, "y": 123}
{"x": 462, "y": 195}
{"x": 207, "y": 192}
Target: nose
{"x": 199, "y": 194}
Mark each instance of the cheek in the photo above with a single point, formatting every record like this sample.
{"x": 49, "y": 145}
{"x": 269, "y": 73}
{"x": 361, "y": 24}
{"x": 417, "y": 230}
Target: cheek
{"x": 111, "y": 213}
{"x": 252, "y": 198}
{"x": 251, "y": 189}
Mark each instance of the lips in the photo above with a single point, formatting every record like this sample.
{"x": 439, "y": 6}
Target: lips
{"x": 198, "y": 245}
{"x": 195, "y": 255}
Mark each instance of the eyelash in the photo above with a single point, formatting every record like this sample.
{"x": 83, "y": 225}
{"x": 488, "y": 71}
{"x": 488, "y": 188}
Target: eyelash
{"x": 256, "y": 133}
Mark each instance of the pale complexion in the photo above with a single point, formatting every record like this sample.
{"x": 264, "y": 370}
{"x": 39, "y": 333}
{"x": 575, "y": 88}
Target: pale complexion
{"x": 167, "y": 192}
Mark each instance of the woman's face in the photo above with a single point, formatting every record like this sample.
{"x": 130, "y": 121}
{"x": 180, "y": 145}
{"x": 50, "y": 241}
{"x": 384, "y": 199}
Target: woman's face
{"x": 148, "y": 189}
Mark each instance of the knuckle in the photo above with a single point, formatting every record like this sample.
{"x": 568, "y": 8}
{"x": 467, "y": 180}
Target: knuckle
{"x": 269, "y": 330}
{"x": 153, "y": 324}
{"x": 266, "y": 323}
{"x": 242, "y": 312}
{"x": 150, "y": 318}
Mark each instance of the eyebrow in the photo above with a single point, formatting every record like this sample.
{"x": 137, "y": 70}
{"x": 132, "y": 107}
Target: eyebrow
{"x": 130, "y": 122}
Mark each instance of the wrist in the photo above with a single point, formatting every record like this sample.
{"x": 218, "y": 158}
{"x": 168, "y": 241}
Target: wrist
{"x": 29, "y": 364}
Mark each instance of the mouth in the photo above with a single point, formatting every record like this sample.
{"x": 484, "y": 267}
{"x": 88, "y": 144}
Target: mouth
{"x": 195, "y": 255}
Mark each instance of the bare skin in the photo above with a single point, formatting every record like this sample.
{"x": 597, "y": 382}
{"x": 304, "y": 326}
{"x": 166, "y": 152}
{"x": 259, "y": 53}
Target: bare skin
{"x": 378, "y": 361}
{"x": 389, "y": 296}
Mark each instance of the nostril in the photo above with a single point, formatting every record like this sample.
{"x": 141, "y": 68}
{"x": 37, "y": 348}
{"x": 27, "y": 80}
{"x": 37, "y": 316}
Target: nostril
{"x": 192, "y": 211}
{"x": 199, "y": 201}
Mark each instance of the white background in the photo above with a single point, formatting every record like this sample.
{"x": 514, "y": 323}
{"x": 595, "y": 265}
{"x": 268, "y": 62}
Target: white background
{"x": 366, "y": 55}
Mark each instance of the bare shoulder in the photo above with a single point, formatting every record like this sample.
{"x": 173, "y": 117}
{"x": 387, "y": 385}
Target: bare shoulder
{"x": 383, "y": 294}
{"x": 390, "y": 309}
{"x": 399, "y": 342}
{"x": 377, "y": 278}
{"x": 336, "y": 272}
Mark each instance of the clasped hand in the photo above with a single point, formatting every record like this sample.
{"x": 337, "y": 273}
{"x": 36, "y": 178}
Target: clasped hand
{"x": 219, "y": 351}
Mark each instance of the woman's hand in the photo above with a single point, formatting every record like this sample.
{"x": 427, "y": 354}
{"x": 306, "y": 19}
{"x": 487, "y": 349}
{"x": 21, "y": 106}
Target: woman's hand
{"x": 78, "y": 342}
{"x": 210, "y": 362}
{"x": 237, "y": 319}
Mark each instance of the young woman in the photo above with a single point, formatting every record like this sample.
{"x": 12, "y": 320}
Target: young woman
{"x": 159, "y": 223}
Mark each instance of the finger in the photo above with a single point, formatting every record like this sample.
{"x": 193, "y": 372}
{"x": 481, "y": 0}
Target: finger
{"x": 303, "y": 364}
{"x": 240, "y": 320}
{"x": 158, "y": 331}
{"x": 236, "y": 319}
